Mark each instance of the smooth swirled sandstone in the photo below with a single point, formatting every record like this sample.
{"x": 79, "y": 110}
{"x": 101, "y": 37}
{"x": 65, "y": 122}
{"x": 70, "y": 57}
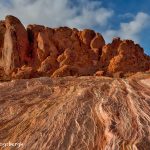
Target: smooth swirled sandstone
{"x": 84, "y": 113}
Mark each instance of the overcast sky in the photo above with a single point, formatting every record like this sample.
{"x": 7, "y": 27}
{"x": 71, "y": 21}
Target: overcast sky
{"x": 129, "y": 19}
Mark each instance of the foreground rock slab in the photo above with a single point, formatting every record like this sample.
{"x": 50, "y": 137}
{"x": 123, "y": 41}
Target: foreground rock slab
{"x": 71, "y": 113}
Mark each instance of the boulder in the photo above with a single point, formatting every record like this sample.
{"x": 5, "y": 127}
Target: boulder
{"x": 99, "y": 73}
{"x": 24, "y": 72}
{"x": 87, "y": 35}
{"x": 123, "y": 56}
{"x": 97, "y": 42}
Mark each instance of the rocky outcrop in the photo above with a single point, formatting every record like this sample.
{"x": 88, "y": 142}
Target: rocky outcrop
{"x": 123, "y": 56}
{"x": 2, "y": 34}
{"x": 127, "y": 57}
{"x": 16, "y": 45}
{"x": 84, "y": 113}
{"x": 53, "y": 49}
{"x": 66, "y": 52}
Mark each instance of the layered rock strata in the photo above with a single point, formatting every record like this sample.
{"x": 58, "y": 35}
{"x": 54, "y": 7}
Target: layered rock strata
{"x": 68, "y": 113}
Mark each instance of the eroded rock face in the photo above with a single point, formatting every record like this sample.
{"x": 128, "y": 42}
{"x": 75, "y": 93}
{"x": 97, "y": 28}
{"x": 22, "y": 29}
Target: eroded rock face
{"x": 124, "y": 56}
{"x": 16, "y": 44}
{"x": 66, "y": 52}
{"x": 76, "y": 113}
{"x": 53, "y": 49}
{"x": 2, "y": 33}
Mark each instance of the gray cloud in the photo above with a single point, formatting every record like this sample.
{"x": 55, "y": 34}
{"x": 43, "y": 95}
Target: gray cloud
{"x": 130, "y": 30}
{"x": 58, "y": 12}
{"x": 83, "y": 14}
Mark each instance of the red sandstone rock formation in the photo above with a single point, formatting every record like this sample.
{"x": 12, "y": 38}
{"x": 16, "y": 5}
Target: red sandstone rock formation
{"x": 123, "y": 56}
{"x": 65, "y": 52}
{"x": 16, "y": 45}
{"x": 84, "y": 113}
{"x": 88, "y": 113}
{"x": 2, "y": 33}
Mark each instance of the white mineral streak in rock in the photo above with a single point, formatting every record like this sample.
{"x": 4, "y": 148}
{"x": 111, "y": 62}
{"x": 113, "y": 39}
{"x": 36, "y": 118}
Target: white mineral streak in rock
{"x": 146, "y": 82}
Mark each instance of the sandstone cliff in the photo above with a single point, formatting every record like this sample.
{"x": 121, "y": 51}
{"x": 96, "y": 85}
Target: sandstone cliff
{"x": 42, "y": 51}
